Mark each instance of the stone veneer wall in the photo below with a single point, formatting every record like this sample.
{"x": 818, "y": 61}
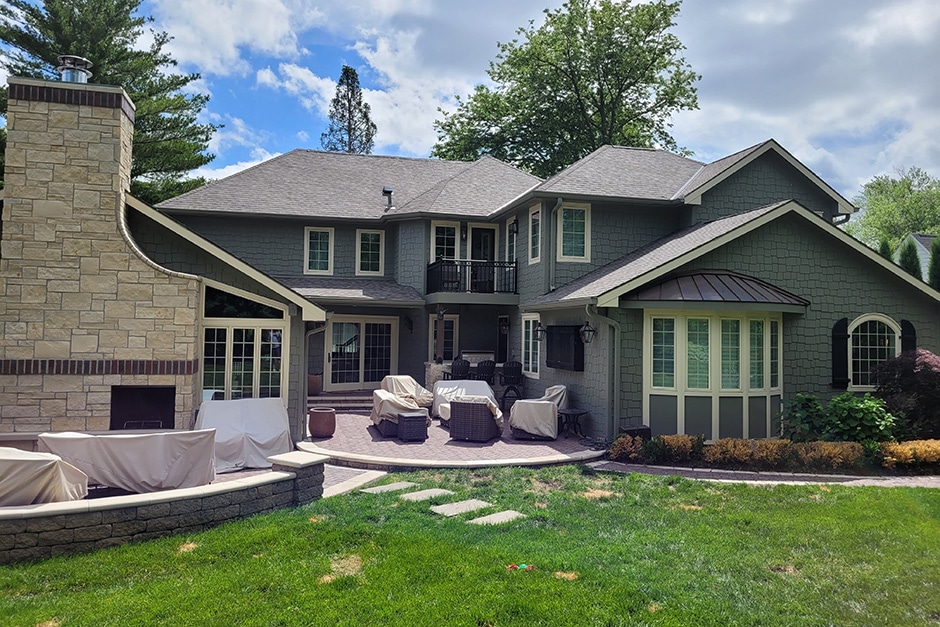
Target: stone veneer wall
{"x": 36, "y": 532}
{"x": 81, "y": 308}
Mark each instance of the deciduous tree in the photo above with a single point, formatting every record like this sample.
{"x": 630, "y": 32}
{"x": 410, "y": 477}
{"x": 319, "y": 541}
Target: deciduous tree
{"x": 894, "y": 207}
{"x": 351, "y": 128}
{"x": 168, "y": 139}
{"x": 595, "y": 72}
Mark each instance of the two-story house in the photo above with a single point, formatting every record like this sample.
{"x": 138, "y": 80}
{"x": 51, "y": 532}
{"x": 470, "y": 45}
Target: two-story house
{"x": 691, "y": 297}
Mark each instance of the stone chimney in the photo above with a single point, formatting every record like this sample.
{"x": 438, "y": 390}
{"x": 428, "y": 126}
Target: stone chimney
{"x": 83, "y": 312}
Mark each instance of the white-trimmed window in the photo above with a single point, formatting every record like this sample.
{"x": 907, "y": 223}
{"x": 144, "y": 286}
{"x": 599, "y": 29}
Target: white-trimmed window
{"x": 574, "y": 233}
{"x": 530, "y": 345}
{"x": 873, "y": 339}
{"x": 370, "y": 252}
{"x": 318, "y": 250}
{"x": 512, "y": 232}
{"x": 444, "y": 242}
{"x": 535, "y": 233}
{"x": 451, "y": 337}
{"x": 730, "y": 354}
{"x": 697, "y": 355}
{"x": 664, "y": 352}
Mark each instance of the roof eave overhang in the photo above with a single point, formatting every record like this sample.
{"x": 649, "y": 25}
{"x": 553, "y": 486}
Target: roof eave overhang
{"x": 367, "y": 302}
{"x": 309, "y": 311}
{"x": 569, "y": 303}
{"x": 694, "y": 197}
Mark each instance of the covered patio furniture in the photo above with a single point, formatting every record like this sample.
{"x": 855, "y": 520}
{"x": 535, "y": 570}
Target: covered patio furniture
{"x": 537, "y": 419}
{"x": 404, "y": 386}
{"x": 447, "y": 391}
{"x": 138, "y": 462}
{"x": 28, "y": 478}
{"x": 459, "y": 369}
{"x": 484, "y": 371}
{"x": 247, "y": 431}
{"x": 512, "y": 380}
{"x": 386, "y": 407}
{"x": 473, "y": 420}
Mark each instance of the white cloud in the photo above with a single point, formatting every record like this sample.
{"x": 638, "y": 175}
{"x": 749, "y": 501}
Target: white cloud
{"x": 313, "y": 91}
{"x": 258, "y": 156}
{"x": 915, "y": 20}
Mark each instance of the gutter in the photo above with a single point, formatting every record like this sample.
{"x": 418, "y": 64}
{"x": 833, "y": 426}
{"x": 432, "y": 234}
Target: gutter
{"x": 613, "y": 404}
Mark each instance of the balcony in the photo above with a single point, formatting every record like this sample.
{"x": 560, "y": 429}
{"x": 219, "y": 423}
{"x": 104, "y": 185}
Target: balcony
{"x": 494, "y": 281}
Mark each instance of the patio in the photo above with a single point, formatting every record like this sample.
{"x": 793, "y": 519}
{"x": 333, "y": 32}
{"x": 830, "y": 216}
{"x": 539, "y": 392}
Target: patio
{"x": 356, "y": 443}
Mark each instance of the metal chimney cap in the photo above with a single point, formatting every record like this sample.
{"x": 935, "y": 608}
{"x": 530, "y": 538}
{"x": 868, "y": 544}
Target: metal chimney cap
{"x": 73, "y": 68}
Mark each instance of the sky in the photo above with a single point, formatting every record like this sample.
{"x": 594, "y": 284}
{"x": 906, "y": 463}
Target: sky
{"x": 850, "y": 87}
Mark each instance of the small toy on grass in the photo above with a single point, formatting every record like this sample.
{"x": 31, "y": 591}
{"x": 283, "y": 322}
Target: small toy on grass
{"x": 520, "y": 567}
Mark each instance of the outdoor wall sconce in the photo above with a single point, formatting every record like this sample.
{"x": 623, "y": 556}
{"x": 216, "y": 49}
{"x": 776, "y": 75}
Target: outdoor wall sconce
{"x": 514, "y": 227}
{"x": 539, "y": 332}
{"x": 504, "y": 326}
{"x": 587, "y": 333}
{"x": 463, "y": 230}
{"x": 409, "y": 324}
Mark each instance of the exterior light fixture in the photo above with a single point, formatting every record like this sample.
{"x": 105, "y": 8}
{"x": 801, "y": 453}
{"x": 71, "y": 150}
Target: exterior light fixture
{"x": 514, "y": 227}
{"x": 463, "y": 230}
{"x": 504, "y": 326}
{"x": 587, "y": 333}
{"x": 539, "y": 332}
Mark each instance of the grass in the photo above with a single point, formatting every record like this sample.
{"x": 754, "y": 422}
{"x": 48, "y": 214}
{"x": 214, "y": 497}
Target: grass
{"x": 606, "y": 550}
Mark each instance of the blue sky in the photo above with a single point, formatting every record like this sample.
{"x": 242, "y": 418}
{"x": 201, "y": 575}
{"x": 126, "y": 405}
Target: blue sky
{"x": 850, "y": 87}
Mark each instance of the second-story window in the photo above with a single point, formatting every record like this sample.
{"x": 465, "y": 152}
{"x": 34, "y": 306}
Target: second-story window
{"x": 318, "y": 250}
{"x": 574, "y": 227}
{"x": 370, "y": 252}
{"x": 512, "y": 229}
{"x": 535, "y": 231}
{"x": 443, "y": 240}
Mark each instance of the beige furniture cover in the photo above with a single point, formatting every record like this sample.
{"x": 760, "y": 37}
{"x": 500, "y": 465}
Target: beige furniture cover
{"x": 466, "y": 391}
{"x": 139, "y": 462}
{"x": 404, "y": 386}
{"x": 247, "y": 431}
{"x": 539, "y": 416}
{"x": 28, "y": 478}
{"x": 387, "y": 406}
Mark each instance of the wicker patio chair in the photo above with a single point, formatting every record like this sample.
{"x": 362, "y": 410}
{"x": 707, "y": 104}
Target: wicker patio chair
{"x": 485, "y": 371}
{"x": 473, "y": 422}
{"x": 459, "y": 369}
{"x": 512, "y": 381}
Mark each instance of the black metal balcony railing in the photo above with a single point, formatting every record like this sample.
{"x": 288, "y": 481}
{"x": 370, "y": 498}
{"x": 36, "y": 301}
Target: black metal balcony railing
{"x": 477, "y": 277}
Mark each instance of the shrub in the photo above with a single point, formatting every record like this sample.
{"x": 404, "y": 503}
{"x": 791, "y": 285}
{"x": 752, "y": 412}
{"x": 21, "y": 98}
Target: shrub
{"x": 683, "y": 448}
{"x": 914, "y": 452}
{"x": 772, "y": 454}
{"x": 828, "y": 455}
{"x": 627, "y": 448}
{"x": 910, "y": 387}
{"x": 804, "y": 419}
{"x": 853, "y": 419}
{"x": 728, "y": 452}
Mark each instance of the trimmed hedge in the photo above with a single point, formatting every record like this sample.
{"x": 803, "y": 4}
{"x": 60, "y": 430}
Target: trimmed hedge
{"x": 773, "y": 454}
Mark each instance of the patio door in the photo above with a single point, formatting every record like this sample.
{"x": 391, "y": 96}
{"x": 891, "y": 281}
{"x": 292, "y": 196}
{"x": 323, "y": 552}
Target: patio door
{"x": 482, "y": 250}
{"x": 360, "y": 352}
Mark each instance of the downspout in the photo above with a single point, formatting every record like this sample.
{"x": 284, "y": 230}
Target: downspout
{"x": 551, "y": 251}
{"x": 614, "y": 403}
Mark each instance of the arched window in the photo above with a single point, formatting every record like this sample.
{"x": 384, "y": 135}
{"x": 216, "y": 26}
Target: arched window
{"x": 873, "y": 339}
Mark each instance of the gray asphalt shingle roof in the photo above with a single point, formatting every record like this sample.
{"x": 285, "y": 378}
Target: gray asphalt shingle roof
{"x": 360, "y": 290}
{"x": 309, "y": 183}
{"x": 649, "y": 258}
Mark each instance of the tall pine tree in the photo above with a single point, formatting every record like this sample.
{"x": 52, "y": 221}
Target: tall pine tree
{"x": 351, "y": 129}
{"x": 908, "y": 259}
{"x": 168, "y": 141}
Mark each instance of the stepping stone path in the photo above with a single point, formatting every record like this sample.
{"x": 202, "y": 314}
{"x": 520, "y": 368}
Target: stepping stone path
{"x": 447, "y": 509}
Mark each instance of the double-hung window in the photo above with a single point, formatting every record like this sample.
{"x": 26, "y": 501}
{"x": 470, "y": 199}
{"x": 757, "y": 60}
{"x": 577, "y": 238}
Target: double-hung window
{"x": 370, "y": 252}
{"x": 574, "y": 229}
{"x": 318, "y": 250}
{"x": 443, "y": 240}
{"x": 535, "y": 233}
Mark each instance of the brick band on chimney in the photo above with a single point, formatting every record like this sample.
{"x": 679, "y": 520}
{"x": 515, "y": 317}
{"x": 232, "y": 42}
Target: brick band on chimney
{"x": 73, "y": 94}
{"x": 99, "y": 366}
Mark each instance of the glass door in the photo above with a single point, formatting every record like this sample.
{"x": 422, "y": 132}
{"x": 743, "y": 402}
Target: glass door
{"x": 360, "y": 352}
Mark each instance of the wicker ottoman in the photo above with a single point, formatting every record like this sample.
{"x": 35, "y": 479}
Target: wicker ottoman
{"x": 412, "y": 426}
{"x": 387, "y": 429}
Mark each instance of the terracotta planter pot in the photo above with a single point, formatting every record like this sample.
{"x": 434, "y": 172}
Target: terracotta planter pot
{"x": 321, "y": 422}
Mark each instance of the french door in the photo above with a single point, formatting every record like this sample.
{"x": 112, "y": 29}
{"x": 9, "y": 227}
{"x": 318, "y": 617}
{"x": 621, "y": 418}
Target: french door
{"x": 360, "y": 352}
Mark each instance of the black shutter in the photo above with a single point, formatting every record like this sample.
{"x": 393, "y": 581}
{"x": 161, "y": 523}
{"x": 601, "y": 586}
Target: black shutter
{"x": 908, "y": 336}
{"x": 840, "y": 354}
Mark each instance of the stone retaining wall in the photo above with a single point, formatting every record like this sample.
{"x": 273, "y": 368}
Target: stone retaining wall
{"x": 41, "y": 531}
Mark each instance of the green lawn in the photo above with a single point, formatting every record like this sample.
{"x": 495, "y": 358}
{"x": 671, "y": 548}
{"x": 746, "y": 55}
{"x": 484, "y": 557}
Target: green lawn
{"x": 606, "y": 549}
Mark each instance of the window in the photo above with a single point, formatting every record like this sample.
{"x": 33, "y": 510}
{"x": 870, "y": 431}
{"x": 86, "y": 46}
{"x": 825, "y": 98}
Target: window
{"x": 451, "y": 337}
{"x": 535, "y": 231}
{"x": 872, "y": 339}
{"x": 730, "y": 354}
{"x": 757, "y": 353}
{"x": 574, "y": 226}
{"x": 697, "y": 353}
{"x": 530, "y": 345}
{"x": 443, "y": 240}
{"x": 664, "y": 352}
{"x": 774, "y": 353}
{"x": 512, "y": 229}
{"x": 318, "y": 250}
{"x": 370, "y": 252}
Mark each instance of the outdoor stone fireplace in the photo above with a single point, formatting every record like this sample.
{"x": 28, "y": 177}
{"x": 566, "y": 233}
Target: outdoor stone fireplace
{"x": 83, "y": 311}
